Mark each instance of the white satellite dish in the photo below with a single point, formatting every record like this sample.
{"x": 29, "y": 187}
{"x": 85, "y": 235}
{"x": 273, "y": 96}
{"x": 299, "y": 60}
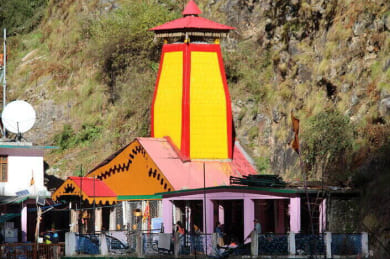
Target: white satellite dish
{"x": 18, "y": 117}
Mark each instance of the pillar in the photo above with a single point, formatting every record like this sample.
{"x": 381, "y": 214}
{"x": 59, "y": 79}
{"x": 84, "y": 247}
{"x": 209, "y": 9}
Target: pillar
{"x": 208, "y": 217}
{"x": 70, "y": 244}
{"x": 23, "y": 219}
{"x": 295, "y": 215}
{"x": 112, "y": 223}
{"x": 322, "y": 219}
{"x": 98, "y": 219}
{"x": 249, "y": 216}
{"x": 365, "y": 252}
{"x": 291, "y": 244}
{"x": 221, "y": 214}
{"x": 103, "y": 248}
{"x": 74, "y": 220}
{"x": 167, "y": 214}
{"x": 328, "y": 244}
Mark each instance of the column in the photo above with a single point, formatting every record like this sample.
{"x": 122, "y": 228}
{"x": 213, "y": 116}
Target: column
{"x": 249, "y": 216}
{"x": 291, "y": 244}
{"x": 23, "y": 219}
{"x": 221, "y": 214}
{"x": 322, "y": 219}
{"x": 74, "y": 220}
{"x": 167, "y": 214}
{"x": 98, "y": 219}
{"x": 365, "y": 251}
{"x": 295, "y": 215}
{"x": 328, "y": 244}
{"x": 112, "y": 223}
{"x": 208, "y": 217}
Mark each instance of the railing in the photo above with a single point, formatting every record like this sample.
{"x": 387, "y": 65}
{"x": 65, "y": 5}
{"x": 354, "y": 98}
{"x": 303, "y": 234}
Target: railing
{"x": 343, "y": 244}
{"x": 309, "y": 244}
{"x": 273, "y": 244}
{"x": 152, "y": 244}
{"x": 31, "y": 251}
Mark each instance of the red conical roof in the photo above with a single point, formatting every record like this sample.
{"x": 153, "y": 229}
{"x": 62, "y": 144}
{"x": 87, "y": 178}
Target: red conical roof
{"x": 191, "y": 9}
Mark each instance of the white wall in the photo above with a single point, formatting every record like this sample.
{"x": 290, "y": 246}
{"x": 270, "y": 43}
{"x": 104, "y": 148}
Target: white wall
{"x": 22, "y": 166}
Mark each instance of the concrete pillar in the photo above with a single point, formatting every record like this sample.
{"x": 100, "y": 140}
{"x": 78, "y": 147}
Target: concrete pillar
{"x": 167, "y": 214}
{"x": 140, "y": 245}
{"x": 98, "y": 219}
{"x": 322, "y": 219}
{"x": 254, "y": 243}
{"x": 328, "y": 244}
{"x": 295, "y": 215}
{"x": 74, "y": 220}
{"x": 103, "y": 244}
{"x": 112, "y": 224}
{"x": 291, "y": 244}
{"x": 208, "y": 217}
{"x": 365, "y": 251}
{"x": 70, "y": 244}
{"x": 221, "y": 214}
{"x": 249, "y": 216}
{"x": 23, "y": 222}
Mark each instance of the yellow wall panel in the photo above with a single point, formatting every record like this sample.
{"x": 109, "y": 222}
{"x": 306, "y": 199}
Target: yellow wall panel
{"x": 168, "y": 102}
{"x": 208, "y": 116}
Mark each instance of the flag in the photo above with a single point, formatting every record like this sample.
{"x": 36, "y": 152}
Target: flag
{"x": 146, "y": 215}
{"x": 32, "y": 181}
{"x": 295, "y": 128}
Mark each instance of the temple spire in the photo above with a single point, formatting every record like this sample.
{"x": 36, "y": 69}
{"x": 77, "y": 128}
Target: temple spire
{"x": 191, "y": 9}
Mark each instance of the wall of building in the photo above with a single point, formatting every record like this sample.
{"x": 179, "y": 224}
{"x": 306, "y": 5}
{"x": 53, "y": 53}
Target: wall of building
{"x": 21, "y": 170}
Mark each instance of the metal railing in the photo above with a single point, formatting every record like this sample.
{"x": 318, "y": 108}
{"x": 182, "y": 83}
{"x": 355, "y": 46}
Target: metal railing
{"x": 31, "y": 251}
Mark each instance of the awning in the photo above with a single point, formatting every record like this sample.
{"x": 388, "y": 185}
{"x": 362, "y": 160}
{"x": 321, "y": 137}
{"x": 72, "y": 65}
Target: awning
{"x": 8, "y": 216}
{"x": 90, "y": 189}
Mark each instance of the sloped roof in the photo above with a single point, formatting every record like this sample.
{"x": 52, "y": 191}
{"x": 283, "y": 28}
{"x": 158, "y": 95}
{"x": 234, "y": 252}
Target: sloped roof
{"x": 93, "y": 187}
{"x": 189, "y": 175}
{"x": 191, "y": 21}
{"x": 90, "y": 189}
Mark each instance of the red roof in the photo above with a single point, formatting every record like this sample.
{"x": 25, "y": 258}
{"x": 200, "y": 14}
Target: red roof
{"x": 93, "y": 187}
{"x": 191, "y": 20}
{"x": 191, "y": 9}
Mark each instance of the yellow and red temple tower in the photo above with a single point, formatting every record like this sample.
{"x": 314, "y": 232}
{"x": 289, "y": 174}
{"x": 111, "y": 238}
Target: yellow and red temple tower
{"x": 191, "y": 103}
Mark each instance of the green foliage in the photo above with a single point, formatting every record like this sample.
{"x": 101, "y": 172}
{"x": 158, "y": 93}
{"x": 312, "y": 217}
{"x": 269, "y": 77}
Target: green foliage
{"x": 327, "y": 138}
{"x": 121, "y": 39}
{"x": 262, "y": 164}
{"x": 20, "y": 15}
{"x": 67, "y": 138}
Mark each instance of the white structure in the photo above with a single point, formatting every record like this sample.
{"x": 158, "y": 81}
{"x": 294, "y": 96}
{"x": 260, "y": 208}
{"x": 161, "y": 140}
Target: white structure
{"x": 21, "y": 169}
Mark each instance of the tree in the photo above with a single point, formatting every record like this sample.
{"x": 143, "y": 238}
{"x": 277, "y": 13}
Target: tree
{"x": 327, "y": 143}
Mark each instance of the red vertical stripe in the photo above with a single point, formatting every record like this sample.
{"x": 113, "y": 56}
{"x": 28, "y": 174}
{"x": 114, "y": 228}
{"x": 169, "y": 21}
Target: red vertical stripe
{"x": 185, "y": 137}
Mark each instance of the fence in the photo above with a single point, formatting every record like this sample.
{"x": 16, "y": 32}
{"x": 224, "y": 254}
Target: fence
{"x": 152, "y": 244}
{"x": 327, "y": 244}
{"x": 31, "y": 251}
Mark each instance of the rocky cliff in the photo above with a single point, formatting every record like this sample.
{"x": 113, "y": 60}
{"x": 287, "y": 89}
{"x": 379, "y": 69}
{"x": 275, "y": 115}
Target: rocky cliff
{"x": 89, "y": 70}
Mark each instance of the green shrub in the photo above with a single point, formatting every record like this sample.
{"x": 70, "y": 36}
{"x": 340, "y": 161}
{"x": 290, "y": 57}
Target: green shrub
{"x": 327, "y": 139}
{"x": 19, "y": 16}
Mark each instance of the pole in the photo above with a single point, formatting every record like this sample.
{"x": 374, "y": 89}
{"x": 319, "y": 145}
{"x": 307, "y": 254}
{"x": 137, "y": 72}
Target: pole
{"x": 204, "y": 207}
{"x": 4, "y": 75}
{"x": 94, "y": 205}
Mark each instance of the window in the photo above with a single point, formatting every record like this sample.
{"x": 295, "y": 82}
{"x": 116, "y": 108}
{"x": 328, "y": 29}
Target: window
{"x": 3, "y": 168}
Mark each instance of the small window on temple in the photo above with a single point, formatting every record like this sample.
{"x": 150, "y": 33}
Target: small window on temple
{"x": 3, "y": 168}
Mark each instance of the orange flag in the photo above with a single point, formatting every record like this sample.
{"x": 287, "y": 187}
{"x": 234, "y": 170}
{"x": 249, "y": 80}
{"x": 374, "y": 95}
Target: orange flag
{"x": 295, "y": 127}
{"x": 146, "y": 215}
